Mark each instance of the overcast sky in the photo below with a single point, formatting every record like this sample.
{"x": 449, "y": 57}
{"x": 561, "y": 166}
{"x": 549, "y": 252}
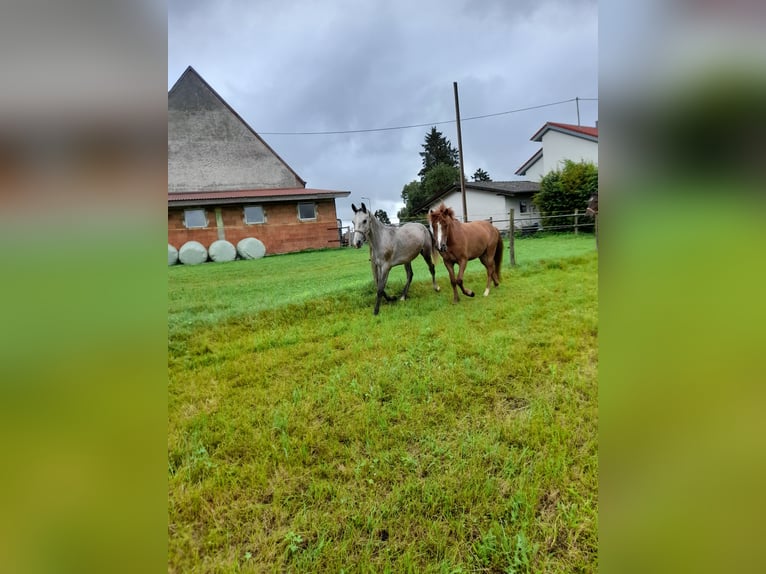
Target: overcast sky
{"x": 338, "y": 65}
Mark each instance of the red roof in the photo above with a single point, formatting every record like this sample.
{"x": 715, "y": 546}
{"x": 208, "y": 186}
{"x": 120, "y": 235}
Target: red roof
{"x": 254, "y": 194}
{"x": 588, "y": 132}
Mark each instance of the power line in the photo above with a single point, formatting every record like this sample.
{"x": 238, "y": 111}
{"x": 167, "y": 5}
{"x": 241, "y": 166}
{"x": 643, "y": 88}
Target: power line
{"x": 426, "y": 124}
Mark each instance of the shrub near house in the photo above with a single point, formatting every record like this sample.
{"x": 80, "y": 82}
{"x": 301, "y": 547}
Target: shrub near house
{"x": 564, "y": 191}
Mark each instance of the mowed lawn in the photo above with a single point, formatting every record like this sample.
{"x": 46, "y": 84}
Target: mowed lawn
{"x": 307, "y": 435}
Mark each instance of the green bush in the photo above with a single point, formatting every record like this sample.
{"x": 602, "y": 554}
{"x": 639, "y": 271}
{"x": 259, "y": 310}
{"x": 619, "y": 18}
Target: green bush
{"x": 563, "y": 191}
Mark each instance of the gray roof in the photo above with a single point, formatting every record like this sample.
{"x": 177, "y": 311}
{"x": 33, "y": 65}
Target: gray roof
{"x": 507, "y": 188}
{"x": 211, "y": 148}
{"x": 502, "y": 187}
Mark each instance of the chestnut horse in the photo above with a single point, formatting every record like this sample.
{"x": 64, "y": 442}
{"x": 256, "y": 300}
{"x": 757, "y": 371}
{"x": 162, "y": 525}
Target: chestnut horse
{"x": 460, "y": 242}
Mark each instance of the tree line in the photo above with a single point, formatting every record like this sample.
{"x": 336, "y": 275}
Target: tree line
{"x": 561, "y": 191}
{"x": 440, "y": 169}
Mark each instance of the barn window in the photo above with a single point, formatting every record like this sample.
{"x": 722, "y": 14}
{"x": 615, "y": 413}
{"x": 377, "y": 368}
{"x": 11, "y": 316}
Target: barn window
{"x": 307, "y": 211}
{"x": 523, "y": 207}
{"x": 254, "y": 214}
{"x": 195, "y": 218}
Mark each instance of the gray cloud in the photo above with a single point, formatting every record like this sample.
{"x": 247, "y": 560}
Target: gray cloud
{"x": 348, "y": 65}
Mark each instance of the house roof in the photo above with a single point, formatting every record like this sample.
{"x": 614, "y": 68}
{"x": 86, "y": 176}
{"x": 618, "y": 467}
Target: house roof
{"x": 506, "y": 188}
{"x": 530, "y": 162}
{"x": 215, "y": 148}
{"x": 251, "y": 195}
{"x": 585, "y": 132}
{"x": 589, "y": 133}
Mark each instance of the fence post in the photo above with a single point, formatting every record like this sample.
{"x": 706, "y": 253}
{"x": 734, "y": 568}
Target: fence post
{"x": 510, "y": 240}
{"x": 596, "y": 230}
{"x": 576, "y": 220}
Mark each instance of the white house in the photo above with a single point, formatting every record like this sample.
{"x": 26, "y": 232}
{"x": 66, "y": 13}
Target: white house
{"x": 490, "y": 200}
{"x": 560, "y": 142}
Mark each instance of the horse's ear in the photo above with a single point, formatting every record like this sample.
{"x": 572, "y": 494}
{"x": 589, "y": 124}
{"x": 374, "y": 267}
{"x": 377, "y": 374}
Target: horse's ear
{"x": 354, "y": 208}
{"x": 364, "y": 208}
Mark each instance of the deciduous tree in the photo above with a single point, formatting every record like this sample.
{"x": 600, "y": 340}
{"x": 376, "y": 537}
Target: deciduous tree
{"x": 412, "y": 195}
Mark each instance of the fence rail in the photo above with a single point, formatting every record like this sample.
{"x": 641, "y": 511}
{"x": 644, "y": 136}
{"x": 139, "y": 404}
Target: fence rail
{"x": 531, "y": 225}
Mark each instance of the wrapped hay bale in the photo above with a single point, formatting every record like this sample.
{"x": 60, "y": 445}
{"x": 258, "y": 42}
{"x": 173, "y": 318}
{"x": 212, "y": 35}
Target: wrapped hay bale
{"x": 222, "y": 250}
{"x": 251, "y": 248}
{"x": 192, "y": 253}
{"x": 172, "y": 255}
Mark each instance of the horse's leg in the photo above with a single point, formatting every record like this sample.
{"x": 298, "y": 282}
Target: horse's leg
{"x": 451, "y": 270}
{"x": 377, "y": 271}
{"x": 431, "y": 268}
{"x": 382, "y": 280}
{"x": 385, "y": 282}
{"x": 490, "y": 276}
{"x": 374, "y": 268}
{"x": 408, "y": 270}
{"x": 488, "y": 260}
{"x": 460, "y": 270}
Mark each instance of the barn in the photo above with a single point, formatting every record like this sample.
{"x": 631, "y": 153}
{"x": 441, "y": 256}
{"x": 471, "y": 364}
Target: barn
{"x": 226, "y": 182}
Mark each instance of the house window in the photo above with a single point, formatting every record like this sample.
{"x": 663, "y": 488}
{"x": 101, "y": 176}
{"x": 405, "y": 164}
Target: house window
{"x": 306, "y": 211}
{"x": 195, "y": 218}
{"x": 523, "y": 207}
{"x": 254, "y": 214}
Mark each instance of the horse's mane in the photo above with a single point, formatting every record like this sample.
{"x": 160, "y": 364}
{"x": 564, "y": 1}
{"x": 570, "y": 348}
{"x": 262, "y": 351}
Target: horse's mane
{"x": 442, "y": 212}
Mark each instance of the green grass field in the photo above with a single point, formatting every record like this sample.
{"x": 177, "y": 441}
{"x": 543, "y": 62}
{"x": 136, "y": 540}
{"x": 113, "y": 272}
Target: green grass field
{"x": 307, "y": 435}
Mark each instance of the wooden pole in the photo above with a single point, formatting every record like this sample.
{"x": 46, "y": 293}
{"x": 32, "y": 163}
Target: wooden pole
{"x": 511, "y": 240}
{"x": 596, "y": 218}
{"x": 576, "y": 227}
{"x": 460, "y": 152}
{"x": 577, "y": 102}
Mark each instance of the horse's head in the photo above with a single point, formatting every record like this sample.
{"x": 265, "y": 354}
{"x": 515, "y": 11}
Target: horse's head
{"x": 440, "y": 219}
{"x": 361, "y": 225}
{"x": 592, "y": 209}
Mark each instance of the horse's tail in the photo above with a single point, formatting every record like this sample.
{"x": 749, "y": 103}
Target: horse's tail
{"x": 499, "y": 253}
{"x": 434, "y": 248}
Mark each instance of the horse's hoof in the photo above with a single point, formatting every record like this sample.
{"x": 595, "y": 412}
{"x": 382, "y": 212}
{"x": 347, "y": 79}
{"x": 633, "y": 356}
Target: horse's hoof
{"x": 437, "y": 288}
{"x": 486, "y": 292}
{"x": 471, "y": 294}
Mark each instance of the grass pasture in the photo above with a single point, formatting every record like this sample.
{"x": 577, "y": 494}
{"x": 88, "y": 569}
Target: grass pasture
{"x": 307, "y": 435}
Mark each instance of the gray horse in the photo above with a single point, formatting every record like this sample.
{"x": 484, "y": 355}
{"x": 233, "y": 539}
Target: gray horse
{"x": 391, "y": 246}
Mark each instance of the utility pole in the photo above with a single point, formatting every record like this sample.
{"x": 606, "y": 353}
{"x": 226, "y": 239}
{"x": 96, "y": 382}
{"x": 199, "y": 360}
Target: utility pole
{"x": 577, "y": 102}
{"x": 460, "y": 152}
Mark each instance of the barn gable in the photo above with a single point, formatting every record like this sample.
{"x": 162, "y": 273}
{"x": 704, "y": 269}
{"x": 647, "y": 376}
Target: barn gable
{"x": 211, "y": 148}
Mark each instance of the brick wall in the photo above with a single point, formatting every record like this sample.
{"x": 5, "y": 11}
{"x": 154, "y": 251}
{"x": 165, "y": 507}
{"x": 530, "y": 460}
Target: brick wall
{"x": 283, "y": 232}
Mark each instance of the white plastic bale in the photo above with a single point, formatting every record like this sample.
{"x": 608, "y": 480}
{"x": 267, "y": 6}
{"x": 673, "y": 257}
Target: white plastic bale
{"x": 251, "y": 248}
{"x": 172, "y": 255}
{"x": 222, "y": 250}
{"x": 192, "y": 253}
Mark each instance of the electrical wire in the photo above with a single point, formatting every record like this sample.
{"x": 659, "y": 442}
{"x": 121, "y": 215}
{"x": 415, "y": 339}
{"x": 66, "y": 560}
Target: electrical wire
{"x": 426, "y": 124}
